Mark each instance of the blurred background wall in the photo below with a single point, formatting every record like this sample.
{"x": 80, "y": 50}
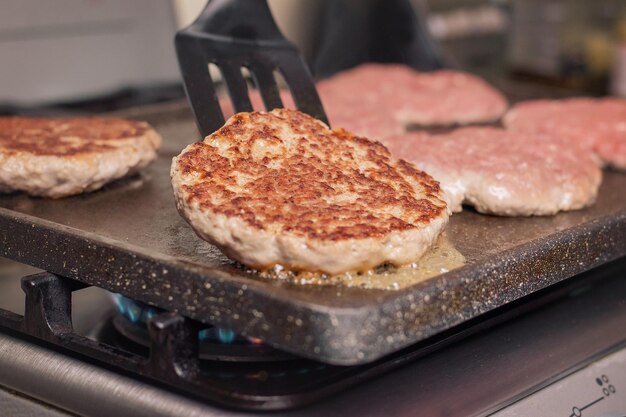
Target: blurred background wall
{"x": 76, "y": 50}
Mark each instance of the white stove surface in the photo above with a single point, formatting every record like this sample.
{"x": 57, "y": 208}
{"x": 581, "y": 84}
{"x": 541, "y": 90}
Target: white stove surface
{"x": 598, "y": 390}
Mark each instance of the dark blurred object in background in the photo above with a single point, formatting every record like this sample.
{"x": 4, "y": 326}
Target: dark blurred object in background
{"x": 356, "y": 31}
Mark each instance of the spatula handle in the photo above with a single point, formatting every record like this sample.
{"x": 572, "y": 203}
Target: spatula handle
{"x": 241, "y": 19}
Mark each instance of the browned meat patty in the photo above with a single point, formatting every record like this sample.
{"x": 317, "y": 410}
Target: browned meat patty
{"x": 65, "y": 156}
{"x": 281, "y": 188}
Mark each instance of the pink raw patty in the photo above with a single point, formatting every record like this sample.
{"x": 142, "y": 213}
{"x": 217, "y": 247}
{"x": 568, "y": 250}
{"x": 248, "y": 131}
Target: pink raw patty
{"x": 376, "y": 100}
{"x": 596, "y": 124}
{"x": 503, "y": 172}
{"x": 437, "y": 98}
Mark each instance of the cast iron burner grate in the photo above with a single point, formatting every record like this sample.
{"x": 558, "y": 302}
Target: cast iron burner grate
{"x": 239, "y": 370}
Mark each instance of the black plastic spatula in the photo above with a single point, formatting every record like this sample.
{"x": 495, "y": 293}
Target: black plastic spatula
{"x": 240, "y": 33}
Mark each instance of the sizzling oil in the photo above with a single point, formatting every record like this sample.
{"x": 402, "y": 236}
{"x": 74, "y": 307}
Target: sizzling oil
{"x": 441, "y": 258}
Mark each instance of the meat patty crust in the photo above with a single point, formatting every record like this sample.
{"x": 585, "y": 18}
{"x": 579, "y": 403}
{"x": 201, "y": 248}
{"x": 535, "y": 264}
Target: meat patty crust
{"x": 281, "y": 188}
{"x": 596, "y": 124}
{"x": 503, "y": 172}
{"x": 59, "y": 157}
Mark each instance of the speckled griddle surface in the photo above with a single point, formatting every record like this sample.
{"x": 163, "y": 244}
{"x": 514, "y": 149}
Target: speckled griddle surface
{"x": 129, "y": 238}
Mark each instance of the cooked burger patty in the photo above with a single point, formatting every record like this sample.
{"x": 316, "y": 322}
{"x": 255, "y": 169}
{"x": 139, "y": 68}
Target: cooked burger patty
{"x": 596, "y": 124}
{"x": 376, "y": 100}
{"x": 61, "y": 157}
{"x": 281, "y": 188}
{"x": 503, "y": 172}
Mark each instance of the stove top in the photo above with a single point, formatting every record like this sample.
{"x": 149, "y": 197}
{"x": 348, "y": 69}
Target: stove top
{"x": 475, "y": 370}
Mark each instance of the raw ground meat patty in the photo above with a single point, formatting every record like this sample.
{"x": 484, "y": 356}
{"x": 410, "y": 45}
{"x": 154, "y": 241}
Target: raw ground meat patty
{"x": 59, "y": 157}
{"x": 377, "y": 100}
{"x": 597, "y": 124}
{"x": 280, "y": 188}
{"x": 503, "y": 172}
{"x": 437, "y": 98}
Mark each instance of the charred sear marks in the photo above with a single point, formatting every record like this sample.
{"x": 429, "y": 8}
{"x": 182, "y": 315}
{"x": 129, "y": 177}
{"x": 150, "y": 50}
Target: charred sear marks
{"x": 286, "y": 172}
{"x": 65, "y": 136}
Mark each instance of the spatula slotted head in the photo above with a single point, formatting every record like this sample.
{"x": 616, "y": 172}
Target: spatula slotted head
{"x": 236, "y": 34}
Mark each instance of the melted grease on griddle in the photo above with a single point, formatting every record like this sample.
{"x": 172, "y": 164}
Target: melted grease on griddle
{"x": 441, "y": 258}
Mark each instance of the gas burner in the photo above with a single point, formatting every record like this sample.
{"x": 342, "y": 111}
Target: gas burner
{"x": 244, "y": 368}
{"x": 216, "y": 344}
